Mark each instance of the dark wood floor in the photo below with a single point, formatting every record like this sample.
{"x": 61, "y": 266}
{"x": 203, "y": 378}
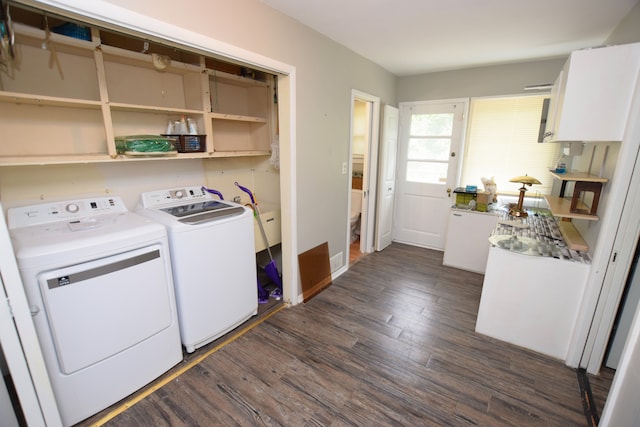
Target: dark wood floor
{"x": 390, "y": 342}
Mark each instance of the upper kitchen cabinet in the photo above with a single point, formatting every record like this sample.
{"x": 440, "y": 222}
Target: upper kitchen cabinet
{"x": 73, "y": 89}
{"x": 591, "y": 97}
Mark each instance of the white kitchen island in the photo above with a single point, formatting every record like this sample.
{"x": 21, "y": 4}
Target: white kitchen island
{"x": 532, "y": 300}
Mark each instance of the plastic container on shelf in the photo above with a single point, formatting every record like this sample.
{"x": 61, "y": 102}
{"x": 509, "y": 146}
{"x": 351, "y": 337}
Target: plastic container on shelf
{"x": 145, "y": 144}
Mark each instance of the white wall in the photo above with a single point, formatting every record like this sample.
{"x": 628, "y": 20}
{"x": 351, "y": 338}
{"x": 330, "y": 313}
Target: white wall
{"x": 506, "y": 79}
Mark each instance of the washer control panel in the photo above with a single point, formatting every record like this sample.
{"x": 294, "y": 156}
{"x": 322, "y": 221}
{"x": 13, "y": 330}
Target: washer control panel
{"x": 69, "y": 210}
{"x": 182, "y": 195}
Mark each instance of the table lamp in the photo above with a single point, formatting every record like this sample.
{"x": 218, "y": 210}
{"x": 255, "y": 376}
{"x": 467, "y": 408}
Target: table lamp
{"x": 524, "y": 180}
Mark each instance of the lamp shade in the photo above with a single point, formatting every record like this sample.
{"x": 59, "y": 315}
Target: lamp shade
{"x": 525, "y": 179}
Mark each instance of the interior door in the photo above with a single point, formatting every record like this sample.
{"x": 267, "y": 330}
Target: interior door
{"x": 430, "y": 140}
{"x": 387, "y": 177}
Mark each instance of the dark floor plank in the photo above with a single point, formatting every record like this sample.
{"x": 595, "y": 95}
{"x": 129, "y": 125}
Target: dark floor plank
{"x": 390, "y": 342}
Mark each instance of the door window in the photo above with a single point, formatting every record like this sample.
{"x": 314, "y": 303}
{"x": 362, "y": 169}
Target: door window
{"x": 429, "y": 147}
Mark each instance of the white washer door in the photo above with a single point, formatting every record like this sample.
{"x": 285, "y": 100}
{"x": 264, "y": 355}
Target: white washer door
{"x": 100, "y": 308}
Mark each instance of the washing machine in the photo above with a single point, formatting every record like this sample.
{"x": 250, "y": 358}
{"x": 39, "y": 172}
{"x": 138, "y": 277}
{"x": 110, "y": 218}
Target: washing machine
{"x": 98, "y": 280}
{"x": 212, "y": 257}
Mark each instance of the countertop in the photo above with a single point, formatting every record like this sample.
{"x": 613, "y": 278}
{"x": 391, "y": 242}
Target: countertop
{"x": 538, "y": 234}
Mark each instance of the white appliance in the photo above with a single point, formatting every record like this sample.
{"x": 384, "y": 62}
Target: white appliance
{"x": 213, "y": 260}
{"x": 98, "y": 280}
{"x": 466, "y": 244}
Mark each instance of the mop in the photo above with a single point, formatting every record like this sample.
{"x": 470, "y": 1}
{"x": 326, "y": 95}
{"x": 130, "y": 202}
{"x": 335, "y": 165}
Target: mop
{"x": 263, "y": 295}
{"x": 271, "y": 268}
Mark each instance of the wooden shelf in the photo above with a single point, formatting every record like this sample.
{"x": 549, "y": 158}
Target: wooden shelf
{"x": 152, "y": 109}
{"x": 572, "y": 237}
{"x": 52, "y": 101}
{"x": 35, "y": 37}
{"x": 128, "y": 57}
{"x": 239, "y": 153}
{"x": 237, "y": 117}
{"x": 235, "y": 80}
{"x": 105, "y": 87}
{"x": 577, "y": 176}
{"x": 52, "y": 160}
{"x": 560, "y": 207}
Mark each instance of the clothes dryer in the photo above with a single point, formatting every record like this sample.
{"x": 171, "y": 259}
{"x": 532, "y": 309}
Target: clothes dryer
{"x": 98, "y": 280}
{"x": 213, "y": 260}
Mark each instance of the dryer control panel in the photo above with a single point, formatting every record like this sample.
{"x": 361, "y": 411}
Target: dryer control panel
{"x": 68, "y": 210}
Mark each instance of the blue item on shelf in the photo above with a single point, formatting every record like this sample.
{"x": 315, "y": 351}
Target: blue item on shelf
{"x": 73, "y": 30}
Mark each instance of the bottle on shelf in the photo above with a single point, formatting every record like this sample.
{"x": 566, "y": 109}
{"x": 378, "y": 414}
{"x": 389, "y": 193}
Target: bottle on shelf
{"x": 561, "y": 164}
{"x": 192, "y": 126}
{"x": 183, "y": 130}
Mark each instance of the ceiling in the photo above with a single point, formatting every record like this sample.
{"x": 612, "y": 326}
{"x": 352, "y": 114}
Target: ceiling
{"x": 409, "y": 37}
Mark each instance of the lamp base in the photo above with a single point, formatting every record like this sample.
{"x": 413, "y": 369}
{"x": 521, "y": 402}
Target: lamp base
{"x": 518, "y": 213}
{"x": 517, "y": 210}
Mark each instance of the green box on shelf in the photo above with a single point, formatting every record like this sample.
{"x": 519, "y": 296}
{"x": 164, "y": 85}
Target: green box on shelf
{"x": 464, "y": 198}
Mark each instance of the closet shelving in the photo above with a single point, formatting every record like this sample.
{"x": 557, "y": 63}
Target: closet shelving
{"x": 67, "y": 99}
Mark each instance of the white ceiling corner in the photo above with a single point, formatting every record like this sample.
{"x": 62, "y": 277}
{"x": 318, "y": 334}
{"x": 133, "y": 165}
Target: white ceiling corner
{"x": 409, "y": 37}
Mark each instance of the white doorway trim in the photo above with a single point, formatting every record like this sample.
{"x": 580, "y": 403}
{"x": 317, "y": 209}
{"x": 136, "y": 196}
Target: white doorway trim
{"x": 370, "y": 171}
{"x": 613, "y": 255}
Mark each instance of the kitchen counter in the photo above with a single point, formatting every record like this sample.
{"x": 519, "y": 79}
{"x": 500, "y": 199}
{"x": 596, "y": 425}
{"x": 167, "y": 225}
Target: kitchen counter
{"x": 535, "y": 235}
{"x": 533, "y": 285}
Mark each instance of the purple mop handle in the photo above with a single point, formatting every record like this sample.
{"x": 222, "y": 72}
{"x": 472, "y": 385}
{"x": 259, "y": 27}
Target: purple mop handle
{"x": 246, "y": 190}
{"x": 209, "y": 190}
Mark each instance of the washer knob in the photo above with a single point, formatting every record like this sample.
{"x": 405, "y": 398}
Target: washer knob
{"x": 73, "y": 208}
{"x": 179, "y": 194}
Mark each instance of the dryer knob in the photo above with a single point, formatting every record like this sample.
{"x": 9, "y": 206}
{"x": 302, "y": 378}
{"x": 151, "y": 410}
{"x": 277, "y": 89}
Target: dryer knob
{"x": 72, "y": 208}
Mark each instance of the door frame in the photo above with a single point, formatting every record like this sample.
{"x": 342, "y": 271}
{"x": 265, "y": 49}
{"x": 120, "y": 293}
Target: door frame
{"x": 613, "y": 255}
{"x": 370, "y": 171}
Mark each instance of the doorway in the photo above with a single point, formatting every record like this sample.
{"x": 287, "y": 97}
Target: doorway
{"x": 363, "y": 158}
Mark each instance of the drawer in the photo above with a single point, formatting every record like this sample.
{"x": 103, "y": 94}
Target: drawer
{"x": 271, "y": 224}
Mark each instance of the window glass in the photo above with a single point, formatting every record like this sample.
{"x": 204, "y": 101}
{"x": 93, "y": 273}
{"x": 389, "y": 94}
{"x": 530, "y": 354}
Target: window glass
{"x": 429, "y": 146}
{"x": 502, "y": 142}
{"x": 431, "y": 124}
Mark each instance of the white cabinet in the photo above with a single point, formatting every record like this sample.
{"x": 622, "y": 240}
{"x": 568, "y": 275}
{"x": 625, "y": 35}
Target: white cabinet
{"x": 531, "y": 301}
{"x": 467, "y": 243}
{"x": 590, "y": 100}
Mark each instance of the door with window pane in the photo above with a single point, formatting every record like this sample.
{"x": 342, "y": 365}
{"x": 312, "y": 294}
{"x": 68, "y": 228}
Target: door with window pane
{"x": 430, "y": 138}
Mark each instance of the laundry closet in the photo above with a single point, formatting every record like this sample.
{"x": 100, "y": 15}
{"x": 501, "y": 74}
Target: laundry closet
{"x": 73, "y": 90}
{"x": 84, "y": 106}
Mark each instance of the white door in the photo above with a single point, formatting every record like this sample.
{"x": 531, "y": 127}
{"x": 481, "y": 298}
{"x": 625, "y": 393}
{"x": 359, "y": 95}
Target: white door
{"x": 387, "y": 177}
{"x": 430, "y": 140}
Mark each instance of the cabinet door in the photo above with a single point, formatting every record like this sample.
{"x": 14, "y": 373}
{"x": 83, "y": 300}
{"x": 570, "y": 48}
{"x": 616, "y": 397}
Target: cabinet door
{"x": 467, "y": 242}
{"x": 555, "y": 105}
{"x": 591, "y": 98}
